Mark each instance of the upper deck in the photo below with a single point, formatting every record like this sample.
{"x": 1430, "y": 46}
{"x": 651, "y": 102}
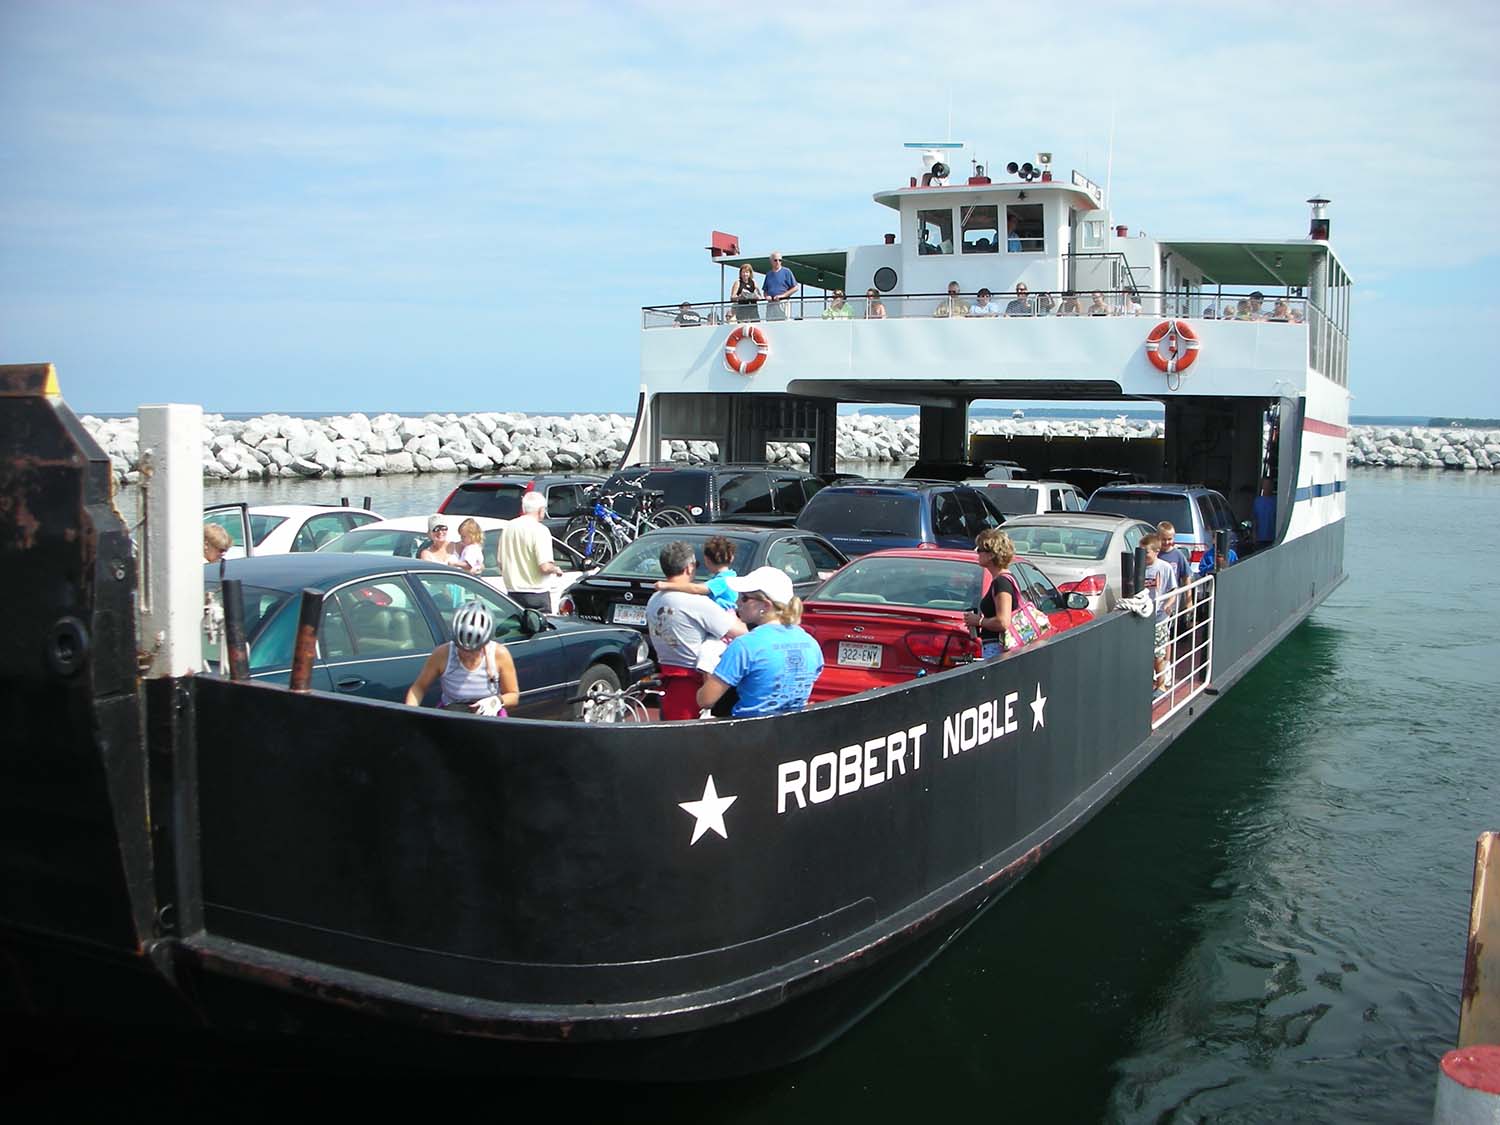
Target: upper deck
{"x": 1288, "y": 300}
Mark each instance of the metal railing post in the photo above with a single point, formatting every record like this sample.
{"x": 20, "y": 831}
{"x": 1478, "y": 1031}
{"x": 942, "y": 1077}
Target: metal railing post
{"x": 305, "y": 647}
{"x": 236, "y": 654}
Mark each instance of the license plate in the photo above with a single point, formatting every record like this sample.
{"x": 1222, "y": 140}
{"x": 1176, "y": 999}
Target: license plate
{"x": 630, "y": 615}
{"x": 859, "y": 656}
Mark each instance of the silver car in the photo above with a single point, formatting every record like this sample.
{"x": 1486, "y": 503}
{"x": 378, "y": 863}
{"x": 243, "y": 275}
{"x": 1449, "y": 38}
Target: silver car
{"x": 1079, "y": 551}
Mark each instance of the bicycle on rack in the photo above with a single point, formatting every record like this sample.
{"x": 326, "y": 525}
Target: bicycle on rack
{"x": 632, "y": 704}
{"x": 598, "y": 534}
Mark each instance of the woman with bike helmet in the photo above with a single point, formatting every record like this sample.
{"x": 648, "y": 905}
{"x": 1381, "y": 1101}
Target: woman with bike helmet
{"x": 474, "y": 672}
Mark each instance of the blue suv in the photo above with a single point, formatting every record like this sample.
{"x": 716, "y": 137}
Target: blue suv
{"x": 1193, "y": 511}
{"x": 875, "y": 515}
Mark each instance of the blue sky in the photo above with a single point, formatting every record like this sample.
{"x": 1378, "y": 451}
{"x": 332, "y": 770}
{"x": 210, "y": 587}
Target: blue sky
{"x": 372, "y": 206}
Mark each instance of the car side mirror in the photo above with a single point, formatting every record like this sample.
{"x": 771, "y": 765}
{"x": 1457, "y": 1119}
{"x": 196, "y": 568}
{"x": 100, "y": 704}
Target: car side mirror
{"x": 532, "y": 622}
{"x": 1076, "y": 601}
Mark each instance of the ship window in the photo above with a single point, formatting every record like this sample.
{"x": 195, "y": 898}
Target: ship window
{"x": 1092, "y": 237}
{"x": 981, "y": 230}
{"x": 885, "y": 279}
{"x": 1023, "y": 229}
{"x": 935, "y": 231}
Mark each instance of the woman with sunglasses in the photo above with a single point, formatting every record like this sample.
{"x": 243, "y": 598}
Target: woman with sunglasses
{"x": 992, "y": 622}
{"x": 874, "y": 306}
{"x": 441, "y": 549}
{"x": 745, "y": 293}
{"x": 773, "y": 666}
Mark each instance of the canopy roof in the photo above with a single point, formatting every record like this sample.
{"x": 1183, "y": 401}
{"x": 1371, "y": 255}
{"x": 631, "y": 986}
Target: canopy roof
{"x": 1268, "y": 262}
{"x": 822, "y": 268}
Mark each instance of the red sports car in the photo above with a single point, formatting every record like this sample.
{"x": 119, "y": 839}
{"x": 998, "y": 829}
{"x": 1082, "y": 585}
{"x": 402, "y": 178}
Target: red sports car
{"x": 890, "y": 616}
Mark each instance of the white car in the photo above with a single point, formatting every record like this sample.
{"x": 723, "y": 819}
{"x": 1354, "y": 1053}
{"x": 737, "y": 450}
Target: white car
{"x": 280, "y": 529}
{"x": 1030, "y": 497}
{"x": 1079, "y": 551}
{"x": 407, "y": 537}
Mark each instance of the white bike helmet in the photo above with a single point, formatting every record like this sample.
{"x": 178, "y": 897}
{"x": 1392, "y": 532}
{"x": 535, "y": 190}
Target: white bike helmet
{"x": 473, "y": 626}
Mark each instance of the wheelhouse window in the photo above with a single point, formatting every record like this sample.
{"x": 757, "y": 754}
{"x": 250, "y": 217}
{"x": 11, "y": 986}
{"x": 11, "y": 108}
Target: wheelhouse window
{"x": 981, "y": 230}
{"x": 1024, "y": 233}
{"x": 935, "y": 231}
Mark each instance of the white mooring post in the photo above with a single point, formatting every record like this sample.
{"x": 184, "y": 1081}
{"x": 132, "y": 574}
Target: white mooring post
{"x": 171, "y": 539}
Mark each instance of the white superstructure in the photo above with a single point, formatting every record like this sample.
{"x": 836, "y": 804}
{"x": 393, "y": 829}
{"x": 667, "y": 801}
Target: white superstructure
{"x": 1278, "y": 362}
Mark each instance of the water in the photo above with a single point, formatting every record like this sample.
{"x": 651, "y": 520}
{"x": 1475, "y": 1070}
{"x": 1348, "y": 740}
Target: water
{"x": 1267, "y": 926}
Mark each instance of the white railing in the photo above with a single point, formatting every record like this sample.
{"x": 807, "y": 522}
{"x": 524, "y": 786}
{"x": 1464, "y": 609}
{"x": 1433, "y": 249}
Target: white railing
{"x": 1190, "y": 651}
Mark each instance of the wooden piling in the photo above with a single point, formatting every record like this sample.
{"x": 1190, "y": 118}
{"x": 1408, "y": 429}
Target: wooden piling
{"x": 1479, "y": 1003}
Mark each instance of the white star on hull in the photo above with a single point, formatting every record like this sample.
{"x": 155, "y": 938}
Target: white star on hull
{"x": 1038, "y": 705}
{"x": 708, "y": 813}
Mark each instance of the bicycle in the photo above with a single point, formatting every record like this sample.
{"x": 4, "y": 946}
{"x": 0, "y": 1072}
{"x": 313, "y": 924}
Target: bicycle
{"x": 598, "y": 535}
{"x": 631, "y": 704}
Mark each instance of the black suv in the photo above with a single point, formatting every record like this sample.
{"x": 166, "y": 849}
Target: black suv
{"x": 498, "y": 495}
{"x": 762, "y": 495}
{"x": 967, "y": 470}
{"x": 874, "y": 515}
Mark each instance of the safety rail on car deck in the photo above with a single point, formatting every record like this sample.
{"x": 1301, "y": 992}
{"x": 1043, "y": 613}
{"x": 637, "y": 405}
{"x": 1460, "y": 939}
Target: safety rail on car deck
{"x": 1190, "y": 651}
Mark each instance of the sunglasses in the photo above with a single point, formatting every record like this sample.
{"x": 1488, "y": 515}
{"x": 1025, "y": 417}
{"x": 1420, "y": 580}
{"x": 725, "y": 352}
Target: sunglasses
{"x": 439, "y": 527}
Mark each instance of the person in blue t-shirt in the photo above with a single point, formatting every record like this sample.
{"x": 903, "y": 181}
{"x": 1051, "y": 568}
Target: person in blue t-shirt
{"x": 1206, "y": 564}
{"x": 773, "y": 666}
{"x": 780, "y": 286}
{"x": 1265, "y": 514}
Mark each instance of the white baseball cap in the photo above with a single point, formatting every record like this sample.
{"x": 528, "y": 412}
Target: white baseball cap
{"x": 767, "y": 580}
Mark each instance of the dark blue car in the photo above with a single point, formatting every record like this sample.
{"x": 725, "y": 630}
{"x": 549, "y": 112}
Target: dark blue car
{"x": 877, "y": 515}
{"x": 383, "y": 616}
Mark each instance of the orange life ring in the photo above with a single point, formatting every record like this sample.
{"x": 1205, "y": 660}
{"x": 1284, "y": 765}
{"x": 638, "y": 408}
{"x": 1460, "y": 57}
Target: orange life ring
{"x": 732, "y": 358}
{"x": 1182, "y": 346}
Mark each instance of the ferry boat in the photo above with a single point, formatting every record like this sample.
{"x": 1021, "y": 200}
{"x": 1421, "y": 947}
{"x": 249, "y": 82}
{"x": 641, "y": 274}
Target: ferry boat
{"x": 666, "y": 900}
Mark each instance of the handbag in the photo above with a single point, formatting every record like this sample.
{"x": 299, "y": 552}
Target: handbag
{"x": 1027, "y": 623}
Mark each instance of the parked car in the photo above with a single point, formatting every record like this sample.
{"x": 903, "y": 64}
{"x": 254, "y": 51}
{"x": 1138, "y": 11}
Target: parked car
{"x": 875, "y": 515}
{"x": 964, "y": 470}
{"x": 1086, "y": 480}
{"x": 618, "y": 593}
{"x": 894, "y": 615}
{"x": 382, "y": 617}
{"x": 1080, "y": 551}
{"x": 1195, "y": 512}
{"x": 1030, "y": 497}
{"x": 764, "y": 495}
{"x": 407, "y": 537}
{"x": 498, "y": 495}
{"x": 279, "y": 529}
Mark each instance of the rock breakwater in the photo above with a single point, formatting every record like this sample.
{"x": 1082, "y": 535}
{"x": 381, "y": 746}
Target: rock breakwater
{"x": 355, "y": 445}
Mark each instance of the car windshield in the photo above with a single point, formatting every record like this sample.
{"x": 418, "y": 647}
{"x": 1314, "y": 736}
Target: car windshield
{"x": 499, "y": 501}
{"x": 1059, "y": 542}
{"x": 639, "y": 559}
{"x": 406, "y": 544}
{"x": 1153, "y": 507}
{"x": 1012, "y": 499}
{"x": 260, "y": 526}
{"x": 862, "y": 512}
{"x": 929, "y": 583}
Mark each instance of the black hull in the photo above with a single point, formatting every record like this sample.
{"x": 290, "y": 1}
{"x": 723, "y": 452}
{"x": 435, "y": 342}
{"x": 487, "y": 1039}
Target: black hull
{"x": 533, "y": 894}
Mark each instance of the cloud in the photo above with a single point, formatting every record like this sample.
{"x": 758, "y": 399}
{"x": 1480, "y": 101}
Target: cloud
{"x": 454, "y": 153}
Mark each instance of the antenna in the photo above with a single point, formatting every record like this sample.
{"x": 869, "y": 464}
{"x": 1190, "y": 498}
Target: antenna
{"x": 1109, "y": 164}
{"x": 950, "y": 111}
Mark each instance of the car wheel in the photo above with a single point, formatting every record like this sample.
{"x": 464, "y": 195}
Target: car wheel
{"x": 590, "y": 542}
{"x": 597, "y": 688}
{"x": 672, "y": 517}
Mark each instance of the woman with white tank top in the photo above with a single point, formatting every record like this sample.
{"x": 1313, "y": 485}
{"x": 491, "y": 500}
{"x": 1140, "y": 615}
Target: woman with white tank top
{"x": 474, "y": 673}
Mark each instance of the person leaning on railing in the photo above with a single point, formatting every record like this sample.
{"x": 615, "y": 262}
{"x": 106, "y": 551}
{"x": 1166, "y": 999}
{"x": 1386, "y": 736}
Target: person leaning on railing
{"x": 954, "y": 305}
{"x": 781, "y": 286}
{"x": 687, "y": 316}
{"x": 874, "y": 306}
{"x": 1069, "y": 305}
{"x": 744, "y": 293}
{"x": 838, "y": 310}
